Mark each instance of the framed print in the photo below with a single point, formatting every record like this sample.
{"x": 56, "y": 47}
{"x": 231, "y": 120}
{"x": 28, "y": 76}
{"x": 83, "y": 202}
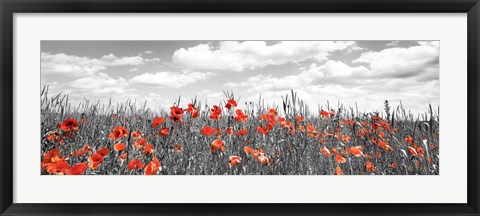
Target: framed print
{"x": 246, "y": 108}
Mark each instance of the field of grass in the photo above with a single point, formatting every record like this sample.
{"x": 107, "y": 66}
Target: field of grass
{"x": 220, "y": 139}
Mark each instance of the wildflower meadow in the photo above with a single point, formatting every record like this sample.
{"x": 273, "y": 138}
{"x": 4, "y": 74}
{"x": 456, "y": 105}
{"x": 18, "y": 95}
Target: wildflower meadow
{"x": 223, "y": 139}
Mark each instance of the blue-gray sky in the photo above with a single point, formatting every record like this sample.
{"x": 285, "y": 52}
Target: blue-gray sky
{"x": 365, "y": 72}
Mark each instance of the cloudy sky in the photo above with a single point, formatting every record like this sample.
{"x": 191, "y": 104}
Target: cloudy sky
{"x": 365, "y": 72}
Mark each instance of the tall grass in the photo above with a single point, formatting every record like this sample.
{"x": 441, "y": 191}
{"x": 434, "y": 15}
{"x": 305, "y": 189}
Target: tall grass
{"x": 289, "y": 154}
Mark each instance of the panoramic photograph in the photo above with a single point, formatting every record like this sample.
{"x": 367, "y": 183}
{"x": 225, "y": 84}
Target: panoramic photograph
{"x": 239, "y": 107}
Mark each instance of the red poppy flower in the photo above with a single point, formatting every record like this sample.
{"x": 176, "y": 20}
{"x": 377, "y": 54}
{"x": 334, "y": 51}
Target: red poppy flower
{"x": 338, "y": 171}
{"x": 262, "y": 130}
{"x": 123, "y": 156}
{"x": 335, "y": 151}
{"x": 157, "y": 121}
{"x": 370, "y": 167}
{"x": 52, "y": 136}
{"x": 356, "y": 151}
{"x": 119, "y": 146}
{"x": 381, "y": 134}
{"x": 176, "y": 110}
{"x": 217, "y": 145}
{"x": 325, "y": 114}
{"x": 240, "y": 116}
{"x": 77, "y": 153}
{"x": 263, "y": 116}
{"x": 231, "y": 103}
{"x": 420, "y": 151}
{"x": 311, "y": 131}
{"x": 215, "y": 112}
{"x": 311, "y": 128}
{"x": 345, "y": 138}
{"x": 234, "y": 160}
{"x": 382, "y": 143}
{"x": 248, "y": 150}
{"x": 77, "y": 169}
{"x": 157, "y": 163}
{"x": 299, "y": 118}
{"x": 150, "y": 169}
{"x": 349, "y": 122}
{"x": 388, "y": 148}
{"x": 118, "y": 132}
{"x": 241, "y": 132}
{"x": 163, "y": 132}
{"x": 51, "y": 154}
{"x": 301, "y": 128}
{"x": 139, "y": 143}
{"x": 394, "y": 165}
{"x": 194, "y": 114}
{"x": 409, "y": 140}
{"x": 377, "y": 118}
{"x": 325, "y": 151}
{"x": 286, "y": 124}
{"x": 148, "y": 149}
{"x": 153, "y": 167}
{"x": 258, "y": 155}
{"x": 176, "y": 118}
{"x": 70, "y": 124}
{"x": 386, "y": 125}
{"x": 229, "y": 130}
{"x": 51, "y": 157}
{"x": 376, "y": 126}
{"x": 176, "y": 114}
{"x": 136, "y": 134}
{"x": 264, "y": 160}
{"x": 272, "y": 111}
{"x": 58, "y": 167}
{"x": 208, "y": 131}
{"x": 363, "y": 132}
{"x": 340, "y": 159}
{"x": 87, "y": 147}
{"x": 95, "y": 160}
{"x": 412, "y": 151}
{"x": 191, "y": 109}
{"x": 103, "y": 151}
{"x": 135, "y": 164}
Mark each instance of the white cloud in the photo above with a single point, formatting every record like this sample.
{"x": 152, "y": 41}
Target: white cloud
{"x": 100, "y": 84}
{"x": 170, "y": 79}
{"x": 420, "y": 61}
{"x": 112, "y": 60}
{"x": 435, "y": 44}
{"x": 152, "y": 60}
{"x": 392, "y": 44}
{"x": 239, "y": 56}
{"x": 210, "y": 94}
{"x": 396, "y": 74}
{"x": 416, "y": 96}
{"x": 99, "y": 87}
{"x": 148, "y": 52}
{"x": 78, "y": 66}
{"x": 407, "y": 74}
{"x": 330, "y": 71}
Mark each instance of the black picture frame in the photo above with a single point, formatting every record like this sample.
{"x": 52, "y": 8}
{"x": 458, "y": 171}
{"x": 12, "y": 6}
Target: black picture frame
{"x": 9, "y": 7}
